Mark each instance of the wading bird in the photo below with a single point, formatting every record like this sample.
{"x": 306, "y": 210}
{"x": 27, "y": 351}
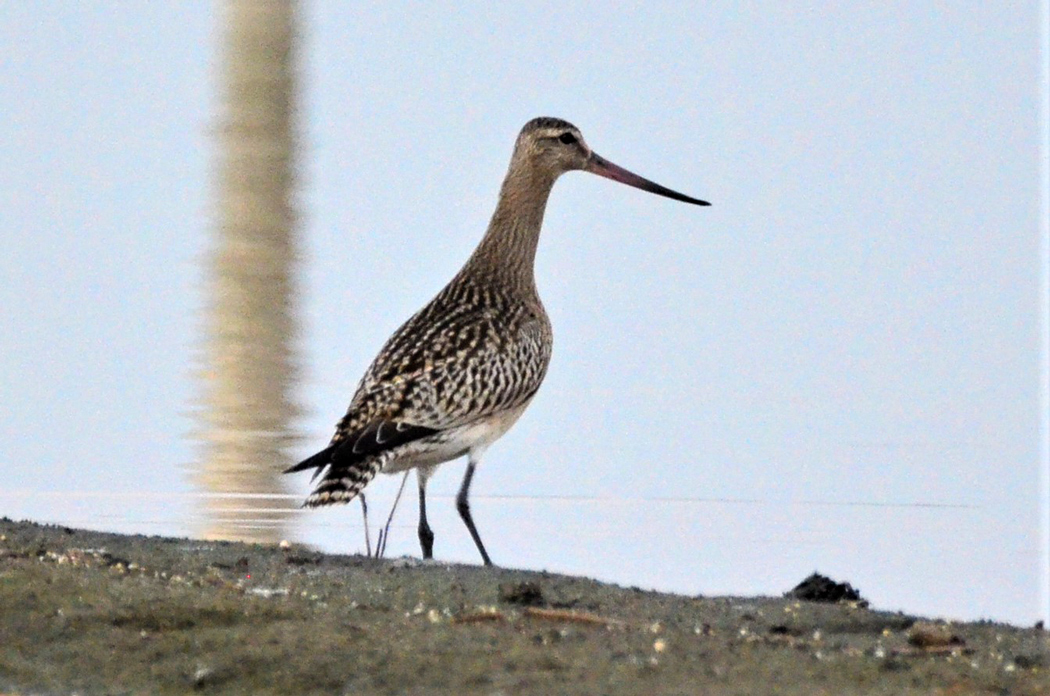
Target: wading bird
{"x": 458, "y": 374}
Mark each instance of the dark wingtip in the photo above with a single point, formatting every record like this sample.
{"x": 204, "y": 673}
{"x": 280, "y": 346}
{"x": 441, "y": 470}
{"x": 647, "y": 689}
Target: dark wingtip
{"x": 316, "y": 461}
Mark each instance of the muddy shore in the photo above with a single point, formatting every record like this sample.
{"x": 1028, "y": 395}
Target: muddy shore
{"x": 94, "y": 613}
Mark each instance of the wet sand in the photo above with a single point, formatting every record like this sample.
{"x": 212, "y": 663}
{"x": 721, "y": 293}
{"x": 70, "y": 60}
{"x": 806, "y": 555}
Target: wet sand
{"x": 97, "y": 613}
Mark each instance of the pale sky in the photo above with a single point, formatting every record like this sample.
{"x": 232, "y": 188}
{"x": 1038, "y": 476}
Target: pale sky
{"x": 836, "y": 367}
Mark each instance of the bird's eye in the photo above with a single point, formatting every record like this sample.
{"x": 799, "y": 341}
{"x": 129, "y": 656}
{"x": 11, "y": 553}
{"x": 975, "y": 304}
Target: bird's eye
{"x": 567, "y": 138}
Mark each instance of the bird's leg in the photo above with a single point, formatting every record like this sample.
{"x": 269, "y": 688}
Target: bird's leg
{"x": 426, "y": 535}
{"x": 364, "y": 512}
{"x": 463, "y": 506}
{"x": 390, "y": 518}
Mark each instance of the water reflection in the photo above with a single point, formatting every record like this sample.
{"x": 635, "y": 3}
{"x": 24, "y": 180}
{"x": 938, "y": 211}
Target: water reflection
{"x": 246, "y": 415}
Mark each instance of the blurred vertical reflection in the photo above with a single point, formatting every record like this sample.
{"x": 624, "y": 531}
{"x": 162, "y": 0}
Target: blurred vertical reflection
{"x": 246, "y": 417}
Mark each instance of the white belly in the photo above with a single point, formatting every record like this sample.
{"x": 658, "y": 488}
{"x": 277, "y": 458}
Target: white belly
{"x": 454, "y": 442}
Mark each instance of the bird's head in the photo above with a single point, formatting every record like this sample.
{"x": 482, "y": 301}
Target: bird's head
{"x": 554, "y": 146}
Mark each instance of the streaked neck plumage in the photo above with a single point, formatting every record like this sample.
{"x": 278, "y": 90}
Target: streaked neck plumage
{"x": 508, "y": 249}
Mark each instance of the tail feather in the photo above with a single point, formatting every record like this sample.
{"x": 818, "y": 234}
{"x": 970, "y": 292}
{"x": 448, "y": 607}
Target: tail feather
{"x": 342, "y": 480}
{"x": 354, "y": 458}
{"x": 342, "y": 484}
{"x": 351, "y": 448}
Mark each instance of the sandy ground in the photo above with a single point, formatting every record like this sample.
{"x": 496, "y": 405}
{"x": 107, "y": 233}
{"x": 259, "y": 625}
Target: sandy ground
{"x": 93, "y": 613}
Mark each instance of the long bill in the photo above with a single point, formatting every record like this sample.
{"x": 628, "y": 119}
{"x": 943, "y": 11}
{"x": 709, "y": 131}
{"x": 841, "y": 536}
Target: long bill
{"x": 603, "y": 167}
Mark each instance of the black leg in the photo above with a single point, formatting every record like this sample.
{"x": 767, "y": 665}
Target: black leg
{"x": 426, "y": 535}
{"x": 463, "y": 506}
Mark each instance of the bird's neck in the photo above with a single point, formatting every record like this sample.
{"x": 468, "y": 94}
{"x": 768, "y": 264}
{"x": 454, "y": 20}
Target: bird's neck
{"x": 508, "y": 250}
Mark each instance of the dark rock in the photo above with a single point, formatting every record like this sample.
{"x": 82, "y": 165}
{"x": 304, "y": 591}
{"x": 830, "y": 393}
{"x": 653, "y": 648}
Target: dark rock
{"x": 819, "y": 588}
{"x": 527, "y": 594}
{"x": 1030, "y": 661}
